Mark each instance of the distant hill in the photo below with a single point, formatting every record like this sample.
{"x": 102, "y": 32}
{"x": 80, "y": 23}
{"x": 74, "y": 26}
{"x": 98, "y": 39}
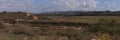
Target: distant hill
{"x": 62, "y": 13}
{"x": 81, "y": 13}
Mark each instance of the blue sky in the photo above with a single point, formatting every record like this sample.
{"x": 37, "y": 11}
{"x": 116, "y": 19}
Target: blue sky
{"x": 37, "y": 6}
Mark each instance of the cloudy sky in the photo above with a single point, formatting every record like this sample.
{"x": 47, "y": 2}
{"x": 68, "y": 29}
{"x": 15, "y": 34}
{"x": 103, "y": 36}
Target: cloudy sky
{"x": 37, "y": 6}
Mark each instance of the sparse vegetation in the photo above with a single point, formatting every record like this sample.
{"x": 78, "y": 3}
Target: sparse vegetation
{"x": 96, "y": 27}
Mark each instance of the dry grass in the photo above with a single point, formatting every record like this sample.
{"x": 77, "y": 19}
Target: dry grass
{"x": 86, "y": 19}
{"x": 102, "y": 36}
{"x": 56, "y": 33}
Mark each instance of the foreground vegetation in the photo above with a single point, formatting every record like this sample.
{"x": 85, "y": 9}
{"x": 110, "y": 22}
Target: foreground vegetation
{"x": 103, "y": 28}
{"x": 100, "y": 27}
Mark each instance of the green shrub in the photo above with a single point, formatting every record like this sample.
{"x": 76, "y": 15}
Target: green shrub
{"x": 110, "y": 26}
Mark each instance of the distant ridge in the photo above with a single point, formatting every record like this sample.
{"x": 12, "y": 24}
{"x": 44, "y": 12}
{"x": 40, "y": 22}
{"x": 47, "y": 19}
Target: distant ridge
{"x": 81, "y": 13}
{"x": 65, "y": 13}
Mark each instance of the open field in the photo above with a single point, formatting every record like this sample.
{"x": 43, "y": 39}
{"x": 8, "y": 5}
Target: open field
{"x": 54, "y": 28}
{"x": 86, "y": 19}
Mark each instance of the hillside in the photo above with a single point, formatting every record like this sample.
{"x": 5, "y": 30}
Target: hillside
{"x": 17, "y": 15}
{"x": 81, "y": 13}
{"x": 13, "y": 14}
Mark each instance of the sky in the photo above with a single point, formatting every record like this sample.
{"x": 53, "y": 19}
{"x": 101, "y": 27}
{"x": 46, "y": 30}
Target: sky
{"x": 37, "y": 6}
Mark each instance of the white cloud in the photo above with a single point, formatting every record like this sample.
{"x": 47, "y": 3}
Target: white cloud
{"x": 17, "y": 5}
{"x": 56, "y": 5}
{"x": 87, "y": 5}
{"x": 75, "y": 4}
